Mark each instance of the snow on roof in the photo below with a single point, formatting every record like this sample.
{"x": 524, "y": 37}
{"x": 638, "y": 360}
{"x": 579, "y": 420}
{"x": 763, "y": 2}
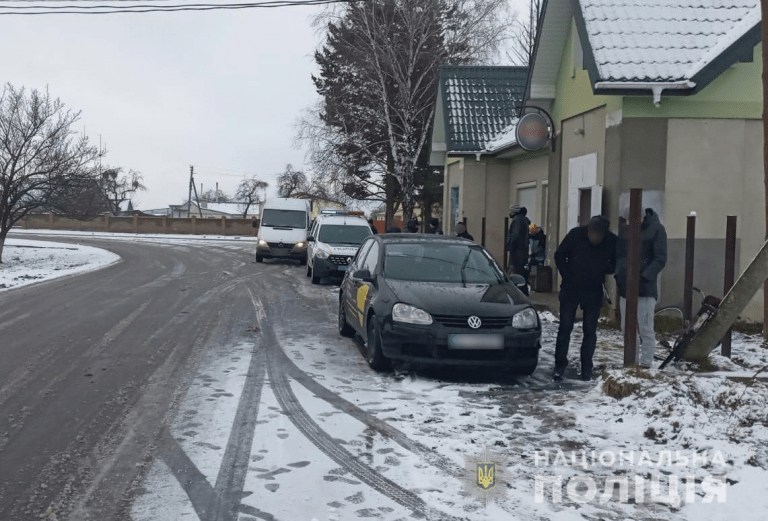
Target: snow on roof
{"x": 231, "y": 208}
{"x": 479, "y": 102}
{"x": 663, "y": 40}
{"x": 505, "y": 139}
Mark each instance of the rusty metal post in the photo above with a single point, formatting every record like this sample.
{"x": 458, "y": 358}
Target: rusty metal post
{"x": 730, "y": 273}
{"x": 633, "y": 276}
{"x": 506, "y": 253}
{"x": 690, "y": 247}
{"x": 482, "y": 234}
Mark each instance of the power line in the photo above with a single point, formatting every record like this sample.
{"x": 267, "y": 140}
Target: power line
{"x": 119, "y": 6}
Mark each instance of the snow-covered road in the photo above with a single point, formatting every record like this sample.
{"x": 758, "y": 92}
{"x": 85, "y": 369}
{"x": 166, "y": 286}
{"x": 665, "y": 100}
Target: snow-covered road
{"x": 295, "y": 426}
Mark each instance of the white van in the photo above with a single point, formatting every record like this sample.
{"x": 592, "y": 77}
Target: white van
{"x": 283, "y": 230}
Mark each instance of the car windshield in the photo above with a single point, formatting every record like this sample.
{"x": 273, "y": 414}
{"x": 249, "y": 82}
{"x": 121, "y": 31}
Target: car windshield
{"x": 343, "y": 234}
{"x": 284, "y": 218}
{"x": 433, "y": 262}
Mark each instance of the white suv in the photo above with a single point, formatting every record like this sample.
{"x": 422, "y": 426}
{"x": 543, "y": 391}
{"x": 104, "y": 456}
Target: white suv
{"x": 332, "y": 243}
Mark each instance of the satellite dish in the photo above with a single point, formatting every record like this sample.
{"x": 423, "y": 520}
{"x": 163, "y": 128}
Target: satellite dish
{"x": 532, "y": 132}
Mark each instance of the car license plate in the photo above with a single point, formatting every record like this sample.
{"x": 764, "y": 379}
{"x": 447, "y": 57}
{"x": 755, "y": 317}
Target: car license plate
{"x": 476, "y": 342}
{"x": 342, "y": 268}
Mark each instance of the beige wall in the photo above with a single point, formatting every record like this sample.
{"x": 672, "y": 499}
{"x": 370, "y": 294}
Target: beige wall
{"x": 534, "y": 170}
{"x": 143, "y": 225}
{"x": 581, "y": 135}
{"x": 715, "y": 168}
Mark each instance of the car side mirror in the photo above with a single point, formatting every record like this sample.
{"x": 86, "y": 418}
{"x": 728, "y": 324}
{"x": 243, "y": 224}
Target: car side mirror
{"x": 518, "y": 281}
{"x": 310, "y": 238}
{"x": 363, "y": 275}
{"x": 255, "y": 224}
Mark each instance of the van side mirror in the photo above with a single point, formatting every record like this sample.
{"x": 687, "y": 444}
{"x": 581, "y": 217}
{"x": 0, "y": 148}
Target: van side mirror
{"x": 363, "y": 275}
{"x": 310, "y": 238}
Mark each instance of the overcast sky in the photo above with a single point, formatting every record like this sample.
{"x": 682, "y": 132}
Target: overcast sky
{"x": 220, "y": 90}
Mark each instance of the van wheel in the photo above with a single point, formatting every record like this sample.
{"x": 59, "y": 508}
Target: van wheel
{"x": 303, "y": 261}
{"x": 259, "y": 258}
{"x": 373, "y": 354}
{"x": 315, "y": 278}
{"x": 309, "y": 271}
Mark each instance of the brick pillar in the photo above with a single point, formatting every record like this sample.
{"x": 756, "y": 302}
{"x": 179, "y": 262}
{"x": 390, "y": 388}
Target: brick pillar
{"x": 106, "y": 222}
{"x": 165, "y": 224}
{"x": 135, "y": 223}
{"x": 223, "y": 225}
{"x": 194, "y": 225}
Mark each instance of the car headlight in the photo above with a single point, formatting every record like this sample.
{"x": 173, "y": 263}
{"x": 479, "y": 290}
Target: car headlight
{"x": 262, "y": 242}
{"x": 322, "y": 254}
{"x": 525, "y": 319}
{"x": 410, "y": 315}
{"x": 299, "y": 244}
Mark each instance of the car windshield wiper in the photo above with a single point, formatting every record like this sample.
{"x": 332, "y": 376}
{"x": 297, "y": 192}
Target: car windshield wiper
{"x": 463, "y": 266}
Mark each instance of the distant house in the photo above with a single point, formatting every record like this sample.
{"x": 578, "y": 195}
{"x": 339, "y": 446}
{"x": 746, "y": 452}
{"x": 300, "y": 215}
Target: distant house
{"x": 667, "y": 99}
{"x": 214, "y": 210}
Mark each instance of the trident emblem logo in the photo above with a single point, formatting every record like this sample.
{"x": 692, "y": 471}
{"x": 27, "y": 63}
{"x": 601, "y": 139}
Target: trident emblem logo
{"x": 486, "y": 475}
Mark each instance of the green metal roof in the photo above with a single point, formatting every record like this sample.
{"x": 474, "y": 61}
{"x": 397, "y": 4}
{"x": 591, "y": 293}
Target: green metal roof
{"x": 479, "y": 103}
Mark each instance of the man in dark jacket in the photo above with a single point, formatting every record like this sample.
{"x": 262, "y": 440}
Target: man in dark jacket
{"x": 517, "y": 241}
{"x": 584, "y": 258}
{"x": 653, "y": 258}
{"x": 434, "y": 227}
{"x": 461, "y": 231}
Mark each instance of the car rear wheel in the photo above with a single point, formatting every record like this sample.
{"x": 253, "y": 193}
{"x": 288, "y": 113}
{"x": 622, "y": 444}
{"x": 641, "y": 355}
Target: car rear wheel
{"x": 344, "y": 328}
{"x": 373, "y": 354}
{"x": 315, "y": 278}
{"x": 309, "y": 271}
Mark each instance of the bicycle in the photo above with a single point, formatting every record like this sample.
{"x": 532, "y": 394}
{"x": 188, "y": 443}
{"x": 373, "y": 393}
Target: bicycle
{"x": 669, "y": 323}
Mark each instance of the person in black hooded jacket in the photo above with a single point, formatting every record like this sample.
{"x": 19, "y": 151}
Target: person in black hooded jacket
{"x": 584, "y": 258}
{"x": 653, "y": 258}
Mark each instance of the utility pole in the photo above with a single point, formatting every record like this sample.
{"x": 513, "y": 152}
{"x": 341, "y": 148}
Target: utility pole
{"x": 764, "y": 29}
{"x": 194, "y": 186}
{"x": 189, "y": 197}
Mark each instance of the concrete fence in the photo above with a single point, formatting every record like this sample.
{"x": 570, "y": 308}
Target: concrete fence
{"x": 140, "y": 224}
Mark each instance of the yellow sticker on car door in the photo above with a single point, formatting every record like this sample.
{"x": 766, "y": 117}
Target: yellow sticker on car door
{"x": 362, "y": 295}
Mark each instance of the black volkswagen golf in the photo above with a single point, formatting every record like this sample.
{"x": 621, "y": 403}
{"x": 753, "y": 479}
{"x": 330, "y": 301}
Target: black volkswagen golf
{"x": 433, "y": 299}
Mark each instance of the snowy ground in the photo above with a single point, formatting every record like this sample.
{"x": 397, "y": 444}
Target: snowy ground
{"x": 27, "y": 262}
{"x": 333, "y": 440}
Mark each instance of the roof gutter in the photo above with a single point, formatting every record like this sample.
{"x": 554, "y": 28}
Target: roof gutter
{"x": 657, "y": 87}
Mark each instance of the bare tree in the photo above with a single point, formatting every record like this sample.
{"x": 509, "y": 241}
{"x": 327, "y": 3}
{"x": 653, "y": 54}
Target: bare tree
{"x": 119, "y": 187}
{"x": 291, "y": 182}
{"x": 39, "y": 154}
{"x": 379, "y": 69}
{"x": 250, "y": 192}
{"x": 524, "y": 31}
{"x": 216, "y": 196}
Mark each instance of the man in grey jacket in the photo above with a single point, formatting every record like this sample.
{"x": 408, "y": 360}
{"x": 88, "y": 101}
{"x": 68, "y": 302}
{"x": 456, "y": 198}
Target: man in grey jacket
{"x": 653, "y": 258}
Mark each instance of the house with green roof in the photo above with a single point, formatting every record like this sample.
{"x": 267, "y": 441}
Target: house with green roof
{"x": 654, "y": 94}
{"x": 476, "y": 105}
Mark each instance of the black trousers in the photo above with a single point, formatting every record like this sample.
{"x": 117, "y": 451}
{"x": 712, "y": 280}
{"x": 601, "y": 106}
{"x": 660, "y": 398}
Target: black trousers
{"x": 590, "y": 303}
{"x": 518, "y": 266}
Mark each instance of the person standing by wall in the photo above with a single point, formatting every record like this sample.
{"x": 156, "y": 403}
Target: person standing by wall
{"x": 653, "y": 258}
{"x": 517, "y": 241}
{"x": 434, "y": 227}
{"x": 584, "y": 258}
{"x": 461, "y": 231}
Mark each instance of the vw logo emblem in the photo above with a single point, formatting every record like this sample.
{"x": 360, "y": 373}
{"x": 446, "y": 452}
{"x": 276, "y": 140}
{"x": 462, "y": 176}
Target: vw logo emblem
{"x": 474, "y": 322}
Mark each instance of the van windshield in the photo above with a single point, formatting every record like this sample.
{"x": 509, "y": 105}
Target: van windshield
{"x": 284, "y": 218}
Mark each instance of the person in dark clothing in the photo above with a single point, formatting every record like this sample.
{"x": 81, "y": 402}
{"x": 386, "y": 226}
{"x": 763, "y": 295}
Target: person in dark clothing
{"x": 653, "y": 258}
{"x": 373, "y": 228}
{"x": 538, "y": 243}
{"x": 412, "y": 226}
{"x": 434, "y": 227}
{"x": 517, "y": 242}
{"x": 461, "y": 231}
{"x": 584, "y": 258}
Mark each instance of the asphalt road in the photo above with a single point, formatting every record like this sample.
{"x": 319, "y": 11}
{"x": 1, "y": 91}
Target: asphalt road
{"x": 98, "y": 372}
{"x": 92, "y": 364}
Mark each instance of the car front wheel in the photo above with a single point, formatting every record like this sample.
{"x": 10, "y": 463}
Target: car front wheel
{"x": 373, "y": 354}
{"x": 344, "y": 328}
